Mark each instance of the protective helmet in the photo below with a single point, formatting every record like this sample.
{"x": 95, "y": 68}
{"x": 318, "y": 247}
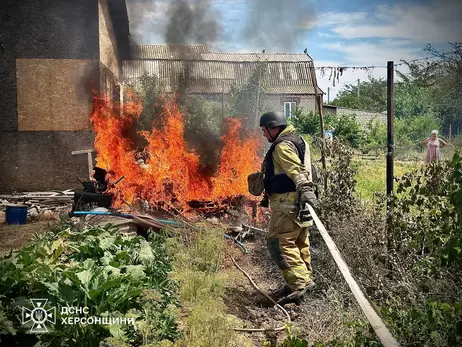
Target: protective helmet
{"x": 273, "y": 120}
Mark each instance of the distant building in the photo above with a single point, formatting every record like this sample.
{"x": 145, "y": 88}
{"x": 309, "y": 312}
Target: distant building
{"x": 362, "y": 117}
{"x": 288, "y": 79}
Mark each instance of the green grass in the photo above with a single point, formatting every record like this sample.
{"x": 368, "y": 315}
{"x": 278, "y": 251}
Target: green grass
{"x": 371, "y": 175}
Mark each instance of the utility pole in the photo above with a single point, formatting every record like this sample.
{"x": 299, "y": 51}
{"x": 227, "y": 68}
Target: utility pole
{"x": 450, "y": 132}
{"x": 328, "y": 95}
{"x": 358, "y": 86}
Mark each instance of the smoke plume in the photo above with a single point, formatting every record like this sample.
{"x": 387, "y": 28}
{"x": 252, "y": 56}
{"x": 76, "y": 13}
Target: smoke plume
{"x": 277, "y": 25}
{"x": 191, "y": 22}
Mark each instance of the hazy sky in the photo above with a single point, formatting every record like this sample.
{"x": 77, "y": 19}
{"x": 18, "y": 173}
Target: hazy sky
{"x": 336, "y": 32}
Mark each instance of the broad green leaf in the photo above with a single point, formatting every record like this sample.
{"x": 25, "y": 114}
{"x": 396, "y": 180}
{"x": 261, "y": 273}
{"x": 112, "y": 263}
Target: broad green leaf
{"x": 52, "y": 287}
{"x": 136, "y": 271}
{"x": 146, "y": 254}
{"x": 85, "y": 277}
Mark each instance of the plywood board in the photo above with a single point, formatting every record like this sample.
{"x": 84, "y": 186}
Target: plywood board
{"x": 55, "y": 94}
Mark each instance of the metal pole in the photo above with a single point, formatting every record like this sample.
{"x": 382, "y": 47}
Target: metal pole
{"x": 390, "y": 146}
{"x": 390, "y": 125}
{"x": 450, "y": 132}
{"x": 358, "y": 86}
{"x": 328, "y": 95}
{"x": 321, "y": 121}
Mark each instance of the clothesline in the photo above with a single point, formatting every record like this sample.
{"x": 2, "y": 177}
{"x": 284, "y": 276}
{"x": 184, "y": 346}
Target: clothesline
{"x": 368, "y": 67}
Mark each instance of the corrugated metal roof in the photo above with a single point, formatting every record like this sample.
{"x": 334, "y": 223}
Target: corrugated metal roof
{"x": 166, "y": 51}
{"x": 210, "y": 72}
{"x": 201, "y": 52}
{"x": 218, "y": 76}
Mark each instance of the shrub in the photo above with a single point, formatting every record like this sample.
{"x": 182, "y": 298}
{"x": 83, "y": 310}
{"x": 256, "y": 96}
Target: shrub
{"x": 346, "y": 126}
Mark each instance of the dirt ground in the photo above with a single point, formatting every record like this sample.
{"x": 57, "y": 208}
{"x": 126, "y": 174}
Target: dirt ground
{"x": 321, "y": 315}
{"x": 17, "y": 236}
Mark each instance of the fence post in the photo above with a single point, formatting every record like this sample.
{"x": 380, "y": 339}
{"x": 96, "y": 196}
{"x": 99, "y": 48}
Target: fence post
{"x": 390, "y": 148}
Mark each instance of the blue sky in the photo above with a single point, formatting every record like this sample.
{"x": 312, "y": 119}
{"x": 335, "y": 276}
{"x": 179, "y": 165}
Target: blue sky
{"x": 336, "y": 32}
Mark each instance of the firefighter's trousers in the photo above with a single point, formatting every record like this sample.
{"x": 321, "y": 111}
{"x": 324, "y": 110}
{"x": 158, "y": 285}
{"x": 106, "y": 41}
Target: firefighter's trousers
{"x": 289, "y": 247}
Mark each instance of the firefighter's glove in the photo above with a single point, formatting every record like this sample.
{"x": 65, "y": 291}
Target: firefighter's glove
{"x": 307, "y": 195}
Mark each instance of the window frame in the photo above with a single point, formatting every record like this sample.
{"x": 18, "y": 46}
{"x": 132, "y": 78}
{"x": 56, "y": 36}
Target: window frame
{"x": 291, "y": 109}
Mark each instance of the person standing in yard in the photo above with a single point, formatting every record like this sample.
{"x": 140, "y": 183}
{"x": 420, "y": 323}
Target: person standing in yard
{"x": 286, "y": 178}
{"x": 434, "y": 144}
{"x": 329, "y": 134}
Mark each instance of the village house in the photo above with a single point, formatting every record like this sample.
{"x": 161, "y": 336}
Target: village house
{"x": 288, "y": 80}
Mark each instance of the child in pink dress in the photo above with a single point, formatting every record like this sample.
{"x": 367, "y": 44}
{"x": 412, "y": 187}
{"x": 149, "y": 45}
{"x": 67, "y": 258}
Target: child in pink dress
{"x": 434, "y": 144}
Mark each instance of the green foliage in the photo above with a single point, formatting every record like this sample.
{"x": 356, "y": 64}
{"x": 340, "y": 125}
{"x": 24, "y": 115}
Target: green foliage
{"x": 372, "y": 95}
{"x": 341, "y": 177}
{"x": 243, "y": 99}
{"x": 419, "y": 295}
{"x": 198, "y": 270}
{"x": 293, "y": 339}
{"x": 426, "y": 215}
{"x": 151, "y": 91}
{"x": 96, "y": 268}
{"x": 415, "y": 129}
{"x": 433, "y": 324}
{"x": 412, "y": 99}
{"x": 203, "y": 116}
{"x": 442, "y": 77}
{"x": 346, "y": 126}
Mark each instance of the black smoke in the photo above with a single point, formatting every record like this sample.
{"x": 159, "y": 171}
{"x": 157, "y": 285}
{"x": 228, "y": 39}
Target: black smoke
{"x": 277, "y": 25}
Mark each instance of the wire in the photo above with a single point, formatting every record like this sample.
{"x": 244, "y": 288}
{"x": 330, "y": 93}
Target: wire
{"x": 372, "y": 66}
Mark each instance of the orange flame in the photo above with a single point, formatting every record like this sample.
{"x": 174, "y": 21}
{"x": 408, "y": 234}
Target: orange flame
{"x": 172, "y": 173}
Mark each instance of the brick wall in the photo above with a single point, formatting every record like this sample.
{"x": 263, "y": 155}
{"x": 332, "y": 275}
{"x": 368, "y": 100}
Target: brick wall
{"x": 362, "y": 117}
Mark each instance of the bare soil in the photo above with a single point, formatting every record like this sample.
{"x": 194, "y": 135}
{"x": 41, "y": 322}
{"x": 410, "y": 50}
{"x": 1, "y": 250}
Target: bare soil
{"x": 320, "y": 317}
{"x": 17, "y": 236}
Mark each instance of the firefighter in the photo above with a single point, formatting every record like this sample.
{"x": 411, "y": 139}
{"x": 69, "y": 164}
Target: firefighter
{"x": 286, "y": 179}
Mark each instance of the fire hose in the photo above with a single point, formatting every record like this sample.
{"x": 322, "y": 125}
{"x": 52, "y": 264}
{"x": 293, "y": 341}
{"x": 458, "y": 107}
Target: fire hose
{"x": 376, "y": 322}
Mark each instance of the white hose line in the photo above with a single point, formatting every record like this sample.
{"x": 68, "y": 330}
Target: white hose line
{"x": 378, "y": 325}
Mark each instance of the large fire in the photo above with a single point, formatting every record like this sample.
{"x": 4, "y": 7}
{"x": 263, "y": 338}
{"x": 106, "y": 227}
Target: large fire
{"x": 171, "y": 173}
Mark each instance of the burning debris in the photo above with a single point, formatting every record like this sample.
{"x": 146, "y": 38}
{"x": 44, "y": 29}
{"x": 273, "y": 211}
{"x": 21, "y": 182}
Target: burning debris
{"x": 168, "y": 175}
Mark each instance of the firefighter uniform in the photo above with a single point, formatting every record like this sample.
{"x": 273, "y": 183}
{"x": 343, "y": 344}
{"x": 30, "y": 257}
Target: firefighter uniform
{"x": 288, "y": 238}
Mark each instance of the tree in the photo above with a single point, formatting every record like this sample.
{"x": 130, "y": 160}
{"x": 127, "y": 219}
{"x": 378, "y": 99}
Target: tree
{"x": 345, "y": 126}
{"x": 412, "y": 99}
{"x": 372, "y": 95}
{"x": 443, "y": 77}
{"x": 243, "y": 101}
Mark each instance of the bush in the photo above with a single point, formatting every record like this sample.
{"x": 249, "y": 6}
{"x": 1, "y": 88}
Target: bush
{"x": 346, "y": 126}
